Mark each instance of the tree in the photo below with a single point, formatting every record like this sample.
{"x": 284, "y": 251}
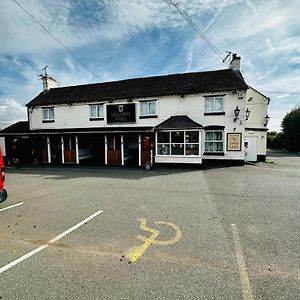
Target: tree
{"x": 275, "y": 140}
{"x": 291, "y": 130}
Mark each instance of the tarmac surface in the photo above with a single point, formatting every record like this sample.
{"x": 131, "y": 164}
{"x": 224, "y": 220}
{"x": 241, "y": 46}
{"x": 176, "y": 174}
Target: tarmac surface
{"x": 113, "y": 233}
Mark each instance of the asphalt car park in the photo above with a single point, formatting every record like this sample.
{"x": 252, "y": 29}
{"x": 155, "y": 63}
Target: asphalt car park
{"x": 220, "y": 233}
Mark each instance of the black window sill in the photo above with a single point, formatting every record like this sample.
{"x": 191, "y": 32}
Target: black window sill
{"x": 148, "y": 117}
{"x": 220, "y": 113}
{"x": 214, "y": 153}
{"x": 48, "y": 121}
{"x": 96, "y": 119}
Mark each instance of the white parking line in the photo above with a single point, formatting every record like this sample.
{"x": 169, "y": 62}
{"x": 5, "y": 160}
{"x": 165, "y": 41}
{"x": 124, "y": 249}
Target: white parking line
{"x": 8, "y": 207}
{"x": 42, "y": 247}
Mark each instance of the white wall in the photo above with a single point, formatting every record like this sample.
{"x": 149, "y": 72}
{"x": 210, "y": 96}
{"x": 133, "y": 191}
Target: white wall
{"x": 77, "y": 116}
{"x": 258, "y": 105}
{"x": 2, "y": 139}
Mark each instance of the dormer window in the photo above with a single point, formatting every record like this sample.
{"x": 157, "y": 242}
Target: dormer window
{"x": 48, "y": 115}
{"x": 96, "y": 112}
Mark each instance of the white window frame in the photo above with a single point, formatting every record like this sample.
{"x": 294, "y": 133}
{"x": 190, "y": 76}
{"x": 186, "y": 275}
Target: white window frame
{"x": 46, "y": 111}
{"x": 213, "y": 99}
{"x": 184, "y": 143}
{"x": 147, "y": 102}
{"x": 99, "y": 111}
{"x": 213, "y": 141}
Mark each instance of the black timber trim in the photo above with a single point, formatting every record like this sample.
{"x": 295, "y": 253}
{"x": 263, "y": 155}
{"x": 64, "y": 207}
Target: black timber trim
{"x": 217, "y": 113}
{"x": 148, "y": 117}
{"x": 214, "y": 127}
{"x": 214, "y": 153}
{"x": 48, "y": 121}
{"x": 256, "y": 129}
{"x": 215, "y": 95}
{"x": 96, "y": 119}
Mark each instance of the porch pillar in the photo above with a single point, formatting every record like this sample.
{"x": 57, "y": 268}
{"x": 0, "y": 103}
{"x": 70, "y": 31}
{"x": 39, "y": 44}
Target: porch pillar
{"x": 122, "y": 150}
{"x": 62, "y": 149}
{"x": 105, "y": 149}
{"x": 140, "y": 150}
{"x": 77, "y": 149}
{"x": 48, "y": 150}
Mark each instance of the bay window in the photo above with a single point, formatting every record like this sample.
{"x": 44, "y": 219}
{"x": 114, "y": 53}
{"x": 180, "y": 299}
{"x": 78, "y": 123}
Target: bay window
{"x": 180, "y": 143}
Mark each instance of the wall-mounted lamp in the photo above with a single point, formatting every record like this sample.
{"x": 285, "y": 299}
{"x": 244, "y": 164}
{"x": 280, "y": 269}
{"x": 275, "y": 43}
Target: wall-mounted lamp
{"x": 267, "y": 118}
{"x": 236, "y": 113}
{"x": 247, "y": 114}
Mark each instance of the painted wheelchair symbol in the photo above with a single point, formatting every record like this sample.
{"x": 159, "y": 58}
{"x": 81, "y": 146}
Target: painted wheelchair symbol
{"x": 148, "y": 241}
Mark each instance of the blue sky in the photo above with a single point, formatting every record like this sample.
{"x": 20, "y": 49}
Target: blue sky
{"x": 119, "y": 39}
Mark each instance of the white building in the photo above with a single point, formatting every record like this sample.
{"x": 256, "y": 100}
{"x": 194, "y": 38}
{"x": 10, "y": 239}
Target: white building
{"x": 182, "y": 118}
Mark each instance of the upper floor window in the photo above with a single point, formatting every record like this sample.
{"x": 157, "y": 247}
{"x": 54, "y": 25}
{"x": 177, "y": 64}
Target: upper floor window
{"x": 48, "y": 114}
{"x": 214, "y": 104}
{"x": 96, "y": 112}
{"x": 148, "y": 109}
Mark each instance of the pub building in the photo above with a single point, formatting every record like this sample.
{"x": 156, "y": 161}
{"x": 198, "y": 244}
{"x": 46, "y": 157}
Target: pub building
{"x": 188, "y": 118}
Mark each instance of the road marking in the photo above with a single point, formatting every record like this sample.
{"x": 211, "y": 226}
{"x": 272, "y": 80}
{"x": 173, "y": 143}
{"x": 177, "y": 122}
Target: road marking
{"x": 8, "y": 207}
{"x": 247, "y": 292}
{"x": 147, "y": 242}
{"x": 42, "y": 247}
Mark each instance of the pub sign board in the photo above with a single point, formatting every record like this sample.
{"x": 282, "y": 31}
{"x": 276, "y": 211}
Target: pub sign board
{"x": 234, "y": 141}
{"x": 121, "y": 113}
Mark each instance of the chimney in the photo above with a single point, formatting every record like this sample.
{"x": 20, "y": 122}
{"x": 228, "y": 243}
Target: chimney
{"x": 48, "y": 81}
{"x": 235, "y": 62}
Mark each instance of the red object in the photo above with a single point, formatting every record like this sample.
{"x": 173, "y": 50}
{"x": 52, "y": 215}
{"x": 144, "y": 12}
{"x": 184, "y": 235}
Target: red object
{"x": 3, "y": 193}
{"x": 146, "y": 143}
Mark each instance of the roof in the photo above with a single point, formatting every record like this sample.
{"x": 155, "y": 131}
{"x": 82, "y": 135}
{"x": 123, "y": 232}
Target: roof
{"x": 22, "y": 128}
{"x": 175, "y": 84}
{"x": 19, "y": 127}
{"x": 179, "y": 122}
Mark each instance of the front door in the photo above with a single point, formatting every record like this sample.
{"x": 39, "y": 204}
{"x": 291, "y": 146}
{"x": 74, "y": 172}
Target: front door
{"x": 251, "y": 148}
{"x": 114, "y": 149}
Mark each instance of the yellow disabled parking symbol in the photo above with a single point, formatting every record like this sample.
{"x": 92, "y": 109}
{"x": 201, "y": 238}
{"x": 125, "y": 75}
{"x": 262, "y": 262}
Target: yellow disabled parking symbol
{"x": 151, "y": 240}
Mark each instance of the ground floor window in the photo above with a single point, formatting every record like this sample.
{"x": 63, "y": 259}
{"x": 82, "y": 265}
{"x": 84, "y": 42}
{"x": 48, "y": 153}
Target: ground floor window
{"x": 183, "y": 142}
{"x": 214, "y": 141}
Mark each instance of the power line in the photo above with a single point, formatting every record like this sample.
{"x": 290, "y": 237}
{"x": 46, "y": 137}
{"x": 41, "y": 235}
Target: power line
{"x": 196, "y": 29}
{"x": 54, "y": 37}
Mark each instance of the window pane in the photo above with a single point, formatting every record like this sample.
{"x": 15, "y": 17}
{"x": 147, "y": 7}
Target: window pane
{"x": 209, "y": 146}
{"x": 219, "y": 104}
{"x": 219, "y": 146}
{"x": 177, "y": 137}
{"x": 177, "y": 149}
{"x": 99, "y": 111}
{"x": 152, "y": 105}
{"x": 163, "y": 137}
{"x": 144, "y": 108}
{"x": 93, "y": 111}
{"x": 209, "y": 136}
{"x": 209, "y": 104}
{"x": 192, "y": 137}
{"x": 218, "y": 136}
{"x": 45, "y": 114}
{"x": 51, "y": 113}
{"x": 163, "y": 149}
{"x": 192, "y": 149}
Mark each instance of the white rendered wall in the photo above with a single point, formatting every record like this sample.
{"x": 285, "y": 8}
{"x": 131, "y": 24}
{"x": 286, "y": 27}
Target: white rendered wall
{"x": 77, "y": 116}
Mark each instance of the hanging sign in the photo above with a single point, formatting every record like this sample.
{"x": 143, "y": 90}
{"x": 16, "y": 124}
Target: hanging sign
{"x": 234, "y": 141}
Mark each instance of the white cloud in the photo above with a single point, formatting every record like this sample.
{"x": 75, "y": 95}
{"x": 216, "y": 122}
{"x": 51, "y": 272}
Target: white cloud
{"x": 12, "y": 111}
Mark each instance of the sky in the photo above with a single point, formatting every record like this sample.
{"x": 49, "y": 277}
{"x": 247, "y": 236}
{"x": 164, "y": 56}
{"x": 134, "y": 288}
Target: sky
{"x": 110, "y": 40}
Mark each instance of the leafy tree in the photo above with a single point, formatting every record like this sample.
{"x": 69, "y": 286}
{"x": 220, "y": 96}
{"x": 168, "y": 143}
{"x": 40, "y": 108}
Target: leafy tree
{"x": 275, "y": 140}
{"x": 291, "y": 130}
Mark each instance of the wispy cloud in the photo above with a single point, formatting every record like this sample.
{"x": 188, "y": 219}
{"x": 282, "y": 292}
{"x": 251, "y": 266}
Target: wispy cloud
{"x": 12, "y": 111}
